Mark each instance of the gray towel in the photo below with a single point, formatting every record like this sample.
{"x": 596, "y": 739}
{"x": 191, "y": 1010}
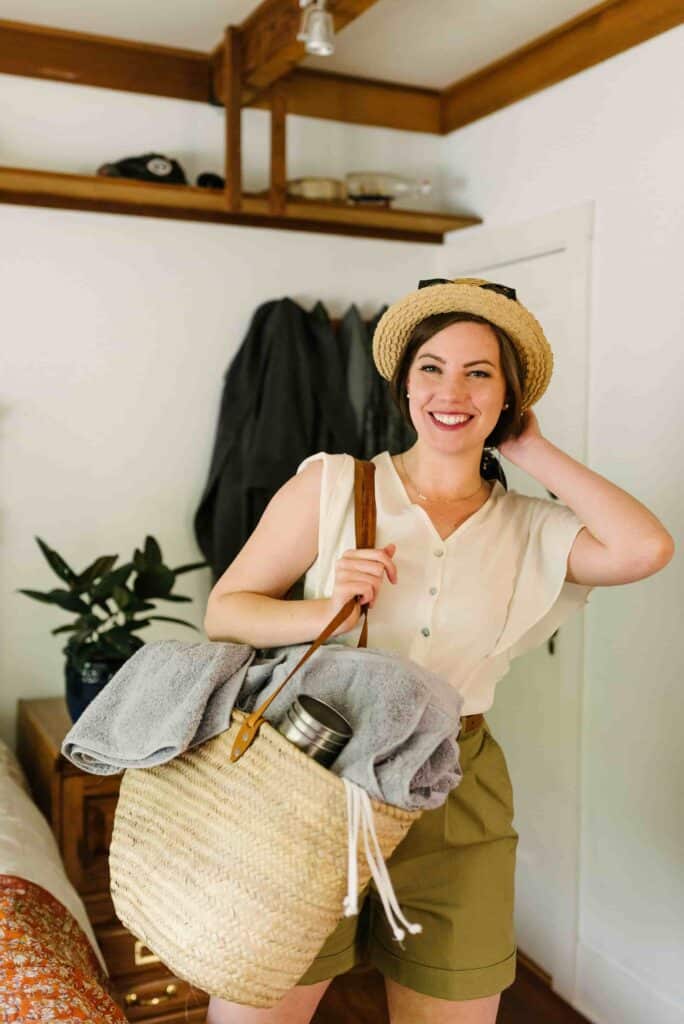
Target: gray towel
{"x": 405, "y": 718}
{"x": 171, "y": 696}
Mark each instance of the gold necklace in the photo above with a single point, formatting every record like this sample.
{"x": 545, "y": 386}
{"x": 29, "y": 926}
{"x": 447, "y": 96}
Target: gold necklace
{"x": 425, "y": 497}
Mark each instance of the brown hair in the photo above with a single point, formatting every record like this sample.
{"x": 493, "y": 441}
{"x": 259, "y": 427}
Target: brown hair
{"x": 509, "y": 423}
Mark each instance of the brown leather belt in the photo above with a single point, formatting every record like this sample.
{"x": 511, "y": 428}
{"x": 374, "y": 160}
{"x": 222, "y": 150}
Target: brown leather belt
{"x": 469, "y": 723}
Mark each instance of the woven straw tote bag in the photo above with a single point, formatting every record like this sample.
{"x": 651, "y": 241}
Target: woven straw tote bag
{"x": 234, "y": 861}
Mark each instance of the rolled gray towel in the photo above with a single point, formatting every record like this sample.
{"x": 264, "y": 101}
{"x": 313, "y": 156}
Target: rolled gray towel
{"x": 168, "y": 697}
{"x": 171, "y": 696}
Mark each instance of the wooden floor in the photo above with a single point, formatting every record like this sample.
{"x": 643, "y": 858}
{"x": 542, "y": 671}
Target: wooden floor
{"x": 358, "y": 997}
{"x": 529, "y": 1000}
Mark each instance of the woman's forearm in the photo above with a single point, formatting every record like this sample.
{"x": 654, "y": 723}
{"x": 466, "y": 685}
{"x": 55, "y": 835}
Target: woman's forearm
{"x": 248, "y": 618}
{"x": 615, "y": 518}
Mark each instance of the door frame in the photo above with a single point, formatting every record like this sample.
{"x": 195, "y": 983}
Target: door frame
{"x": 570, "y": 230}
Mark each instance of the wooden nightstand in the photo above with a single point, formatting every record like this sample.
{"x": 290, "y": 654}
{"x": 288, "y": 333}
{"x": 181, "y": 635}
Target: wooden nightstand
{"x": 80, "y": 808}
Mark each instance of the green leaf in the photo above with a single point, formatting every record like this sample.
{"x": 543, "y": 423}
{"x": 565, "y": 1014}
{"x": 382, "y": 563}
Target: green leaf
{"x": 153, "y": 553}
{"x": 155, "y": 581}
{"x": 137, "y": 624}
{"x": 187, "y": 568}
{"x": 122, "y": 596}
{"x": 98, "y": 568}
{"x": 57, "y": 562}
{"x": 174, "y": 597}
{"x": 118, "y": 640}
{"x": 92, "y": 621}
{"x": 38, "y": 595}
{"x": 169, "y": 618}
{"x": 117, "y": 577}
{"x": 63, "y": 629}
{"x": 82, "y": 634}
{"x": 63, "y": 598}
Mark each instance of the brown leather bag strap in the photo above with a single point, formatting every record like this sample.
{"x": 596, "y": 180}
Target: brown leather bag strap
{"x": 364, "y": 522}
{"x": 365, "y": 525}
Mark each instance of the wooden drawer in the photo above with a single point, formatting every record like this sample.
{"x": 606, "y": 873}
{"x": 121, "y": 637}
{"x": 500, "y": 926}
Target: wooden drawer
{"x": 144, "y": 998}
{"x": 100, "y": 908}
{"x": 89, "y": 803}
{"x": 124, "y": 953}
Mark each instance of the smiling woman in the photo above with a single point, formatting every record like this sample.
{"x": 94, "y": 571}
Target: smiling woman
{"x": 492, "y": 352}
{"x": 464, "y": 578}
{"x": 459, "y": 377}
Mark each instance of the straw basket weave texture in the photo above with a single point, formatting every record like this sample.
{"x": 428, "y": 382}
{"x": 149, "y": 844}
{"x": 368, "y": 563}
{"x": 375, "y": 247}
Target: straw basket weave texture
{"x": 235, "y": 874}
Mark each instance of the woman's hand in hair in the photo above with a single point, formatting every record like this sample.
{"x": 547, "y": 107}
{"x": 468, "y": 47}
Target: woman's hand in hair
{"x": 531, "y": 433}
{"x": 360, "y": 572}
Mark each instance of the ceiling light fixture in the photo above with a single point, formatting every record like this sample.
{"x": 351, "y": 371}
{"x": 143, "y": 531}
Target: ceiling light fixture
{"x": 317, "y": 29}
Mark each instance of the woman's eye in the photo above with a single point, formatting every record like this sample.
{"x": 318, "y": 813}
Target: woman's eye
{"x": 431, "y": 366}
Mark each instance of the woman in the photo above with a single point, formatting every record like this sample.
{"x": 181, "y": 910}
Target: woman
{"x": 477, "y": 575}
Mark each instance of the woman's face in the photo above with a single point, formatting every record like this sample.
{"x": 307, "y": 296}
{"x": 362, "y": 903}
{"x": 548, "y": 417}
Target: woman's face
{"x": 457, "y": 370}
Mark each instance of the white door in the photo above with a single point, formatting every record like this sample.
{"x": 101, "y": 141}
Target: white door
{"x": 537, "y": 711}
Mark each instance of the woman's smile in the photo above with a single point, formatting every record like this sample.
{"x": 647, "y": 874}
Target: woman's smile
{"x": 456, "y": 422}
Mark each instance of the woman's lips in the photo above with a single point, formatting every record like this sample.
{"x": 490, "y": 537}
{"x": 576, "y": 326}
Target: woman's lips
{"x": 449, "y": 426}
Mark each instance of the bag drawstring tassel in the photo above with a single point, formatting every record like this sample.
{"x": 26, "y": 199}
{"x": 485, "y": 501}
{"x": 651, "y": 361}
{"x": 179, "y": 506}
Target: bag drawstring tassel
{"x": 351, "y": 900}
{"x": 360, "y": 813}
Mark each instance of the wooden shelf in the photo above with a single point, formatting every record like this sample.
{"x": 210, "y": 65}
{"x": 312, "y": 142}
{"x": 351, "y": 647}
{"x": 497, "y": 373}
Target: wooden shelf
{"x": 188, "y": 202}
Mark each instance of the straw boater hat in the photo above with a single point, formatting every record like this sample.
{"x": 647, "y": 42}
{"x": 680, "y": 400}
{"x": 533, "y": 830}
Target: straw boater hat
{"x": 495, "y": 302}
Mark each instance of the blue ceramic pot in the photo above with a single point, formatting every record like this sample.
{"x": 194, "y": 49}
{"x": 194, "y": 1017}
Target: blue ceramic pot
{"x": 83, "y": 686}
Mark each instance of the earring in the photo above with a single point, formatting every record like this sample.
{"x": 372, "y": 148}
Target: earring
{"x": 407, "y": 395}
{"x": 506, "y": 405}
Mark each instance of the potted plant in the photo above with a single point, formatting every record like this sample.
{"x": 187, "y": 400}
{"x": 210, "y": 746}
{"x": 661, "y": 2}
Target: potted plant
{"x": 106, "y": 601}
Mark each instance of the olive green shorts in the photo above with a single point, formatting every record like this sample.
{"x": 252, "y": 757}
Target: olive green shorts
{"x": 453, "y": 873}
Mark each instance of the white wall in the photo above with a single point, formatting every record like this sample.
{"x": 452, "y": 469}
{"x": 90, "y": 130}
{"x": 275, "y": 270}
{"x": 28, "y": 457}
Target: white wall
{"x": 117, "y": 332}
{"x": 613, "y": 135}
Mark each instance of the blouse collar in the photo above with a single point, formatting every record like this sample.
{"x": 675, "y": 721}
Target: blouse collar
{"x": 396, "y": 500}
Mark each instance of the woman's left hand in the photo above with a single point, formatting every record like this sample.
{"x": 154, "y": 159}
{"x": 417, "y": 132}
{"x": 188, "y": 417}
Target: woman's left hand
{"x": 531, "y": 432}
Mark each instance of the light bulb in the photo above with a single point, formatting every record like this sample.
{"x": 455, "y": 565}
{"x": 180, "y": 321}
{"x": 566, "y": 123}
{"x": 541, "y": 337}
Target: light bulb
{"x": 317, "y": 29}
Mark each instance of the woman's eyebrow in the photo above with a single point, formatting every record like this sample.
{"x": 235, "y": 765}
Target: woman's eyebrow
{"x": 428, "y": 355}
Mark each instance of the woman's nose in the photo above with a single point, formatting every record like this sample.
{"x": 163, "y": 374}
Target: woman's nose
{"x": 455, "y": 393}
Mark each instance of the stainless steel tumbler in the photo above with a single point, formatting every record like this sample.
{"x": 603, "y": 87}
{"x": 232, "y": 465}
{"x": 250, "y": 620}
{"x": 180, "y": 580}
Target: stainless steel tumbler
{"x": 316, "y": 728}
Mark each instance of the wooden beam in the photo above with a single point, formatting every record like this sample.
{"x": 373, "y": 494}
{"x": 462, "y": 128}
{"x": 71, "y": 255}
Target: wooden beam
{"x": 278, "y": 193}
{"x": 232, "y": 78}
{"x": 271, "y": 48}
{"x": 602, "y": 32}
{"x": 35, "y": 51}
{"x": 586, "y": 40}
{"x": 49, "y": 53}
{"x": 360, "y": 101}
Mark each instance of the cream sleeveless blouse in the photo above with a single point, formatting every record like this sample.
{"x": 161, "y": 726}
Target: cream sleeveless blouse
{"x": 463, "y": 607}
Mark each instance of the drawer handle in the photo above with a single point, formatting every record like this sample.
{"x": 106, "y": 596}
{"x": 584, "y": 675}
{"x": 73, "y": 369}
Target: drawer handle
{"x": 132, "y": 998}
{"x": 144, "y": 958}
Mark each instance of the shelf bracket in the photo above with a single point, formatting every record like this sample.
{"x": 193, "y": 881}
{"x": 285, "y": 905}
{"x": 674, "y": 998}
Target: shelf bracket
{"x": 232, "y": 99}
{"x": 278, "y": 191}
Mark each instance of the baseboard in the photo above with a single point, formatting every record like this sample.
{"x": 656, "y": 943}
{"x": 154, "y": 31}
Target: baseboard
{"x": 530, "y": 965}
{"x": 607, "y": 993}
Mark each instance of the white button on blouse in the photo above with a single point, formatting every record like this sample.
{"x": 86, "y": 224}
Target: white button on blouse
{"x": 502, "y": 587}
